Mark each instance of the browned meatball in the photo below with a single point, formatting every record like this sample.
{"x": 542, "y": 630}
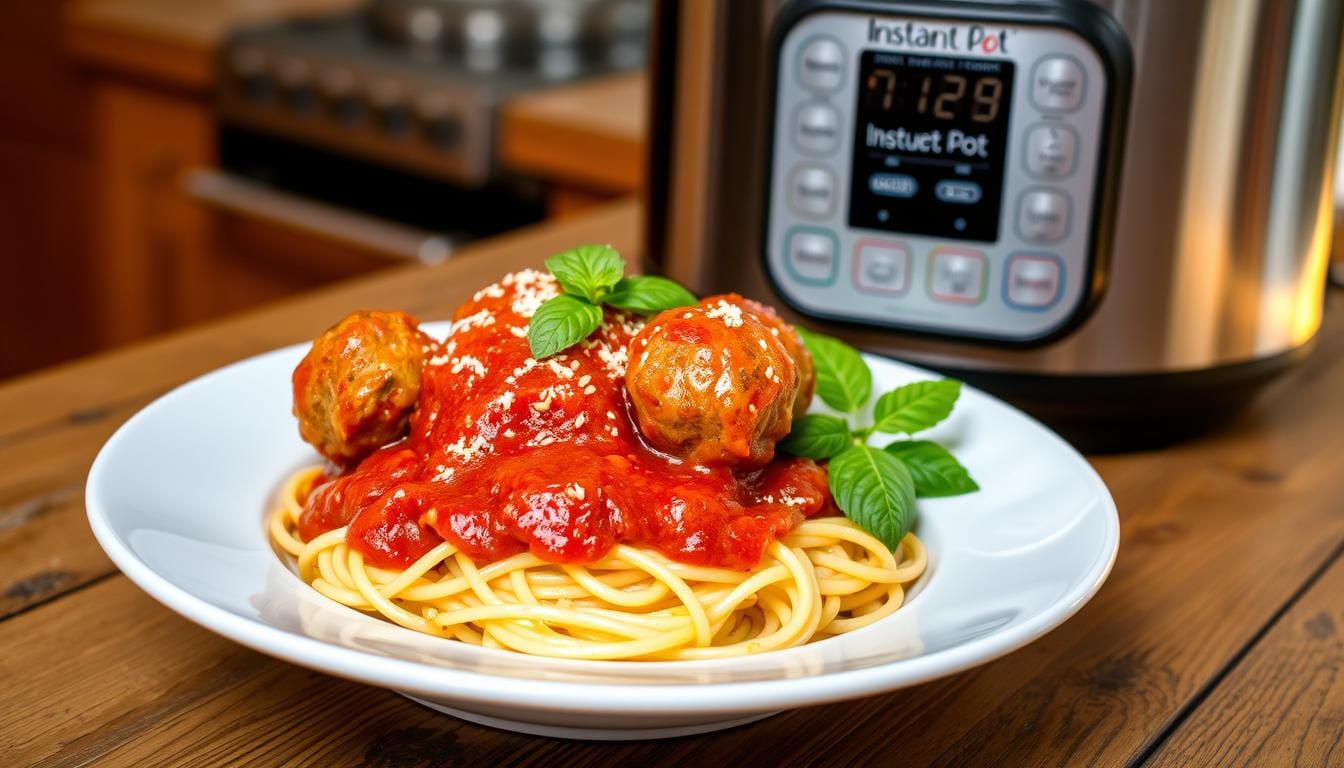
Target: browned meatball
{"x": 712, "y": 384}
{"x": 788, "y": 336}
{"x": 354, "y": 391}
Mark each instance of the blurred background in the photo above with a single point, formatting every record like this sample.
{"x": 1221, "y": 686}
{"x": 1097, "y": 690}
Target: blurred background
{"x": 167, "y": 162}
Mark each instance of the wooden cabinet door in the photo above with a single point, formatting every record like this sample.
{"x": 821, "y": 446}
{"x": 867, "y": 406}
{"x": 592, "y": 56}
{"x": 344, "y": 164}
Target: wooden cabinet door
{"x": 154, "y": 243}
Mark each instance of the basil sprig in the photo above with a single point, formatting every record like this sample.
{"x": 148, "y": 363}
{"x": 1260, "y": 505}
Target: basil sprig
{"x": 590, "y": 276}
{"x": 876, "y": 488}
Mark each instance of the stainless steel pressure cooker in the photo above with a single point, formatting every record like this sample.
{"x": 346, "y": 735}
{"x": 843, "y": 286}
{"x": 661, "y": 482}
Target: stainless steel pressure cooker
{"x": 1115, "y": 213}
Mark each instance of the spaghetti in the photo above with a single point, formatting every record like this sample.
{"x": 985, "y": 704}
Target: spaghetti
{"x": 825, "y": 578}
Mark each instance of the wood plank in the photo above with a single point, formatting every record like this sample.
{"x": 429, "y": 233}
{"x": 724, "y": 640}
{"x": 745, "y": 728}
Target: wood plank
{"x": 75, "y": 392}
{"x": 588, "y": 136}
{"x": 1284, "y": 704}
{"x": 1192, "y": 587}
{"x": 1210, "y": 552}
{"x": 54, "y": 422}
{"x": 48, "y": 549}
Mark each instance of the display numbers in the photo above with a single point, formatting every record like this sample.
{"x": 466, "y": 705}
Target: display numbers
{"x": 941, "y": 95}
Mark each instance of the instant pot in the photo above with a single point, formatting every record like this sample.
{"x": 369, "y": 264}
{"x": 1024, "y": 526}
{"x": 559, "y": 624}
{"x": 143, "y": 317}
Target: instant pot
{"x": 1116, "y": 214}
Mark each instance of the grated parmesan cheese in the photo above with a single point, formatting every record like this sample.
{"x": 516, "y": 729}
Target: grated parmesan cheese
{"x": 731, "y": 314}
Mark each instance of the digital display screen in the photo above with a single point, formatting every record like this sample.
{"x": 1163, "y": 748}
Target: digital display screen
{"x": 931, "y": 138}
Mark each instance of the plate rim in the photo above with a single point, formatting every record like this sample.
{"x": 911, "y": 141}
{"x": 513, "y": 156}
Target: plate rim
{"x": 470, "y": 686}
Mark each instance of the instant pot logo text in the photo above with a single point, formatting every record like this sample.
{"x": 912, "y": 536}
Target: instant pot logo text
{"x": 971, "y": 38}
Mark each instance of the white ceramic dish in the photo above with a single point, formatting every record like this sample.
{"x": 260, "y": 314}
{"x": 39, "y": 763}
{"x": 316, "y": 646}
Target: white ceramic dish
{"x": 178, "y": 495}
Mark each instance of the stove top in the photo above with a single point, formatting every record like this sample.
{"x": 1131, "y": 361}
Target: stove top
{"x": 418, "y": 83}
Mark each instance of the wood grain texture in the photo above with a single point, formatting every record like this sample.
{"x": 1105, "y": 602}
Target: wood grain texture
{"x": 586, "y": 136}
{"x": 53, "y": 423}
{"x": 1211, "y": 552}
{"x": 152, "y": 240}
{"x": 1284, "y": 704}
{"x": 46, "y": 164}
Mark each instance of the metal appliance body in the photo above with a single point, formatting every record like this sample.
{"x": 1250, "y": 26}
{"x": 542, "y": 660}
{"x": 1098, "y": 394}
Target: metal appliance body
{"x": 1135, "y": 213}
{"x": 418, "y": 84}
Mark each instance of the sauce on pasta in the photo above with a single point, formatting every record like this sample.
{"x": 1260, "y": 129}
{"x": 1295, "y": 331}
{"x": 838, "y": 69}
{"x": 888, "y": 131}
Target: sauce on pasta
{"x": 507, "y": 454}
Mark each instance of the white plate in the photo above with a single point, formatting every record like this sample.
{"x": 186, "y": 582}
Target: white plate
{"x": 178, "y": 497}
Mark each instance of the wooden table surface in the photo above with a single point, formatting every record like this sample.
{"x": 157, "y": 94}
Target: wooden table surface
{"x": 1216, "y": 641}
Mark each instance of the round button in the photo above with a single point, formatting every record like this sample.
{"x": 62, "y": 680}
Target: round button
{"x": 1043, "y": 216}
{"x": 812, "y": 255}
{"x": 821, "y": 66}
{"x": 396, "y": 120}
{"x": 812, "y": 191}
{"x": 295, "y": 78}
{"x": 816, "y": 129}
{"x": 1052, "y": 150}
{"x": 881, "y": 266}
{"x": 1057, "y": 84}
{"x": 1033, "y": 280}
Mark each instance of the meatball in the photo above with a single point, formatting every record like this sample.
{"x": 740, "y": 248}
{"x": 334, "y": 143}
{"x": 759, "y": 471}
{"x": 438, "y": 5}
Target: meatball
{"x": 712, "y": 384}
{"x": 788, "y": 336}
{"x": 355, "y": 390}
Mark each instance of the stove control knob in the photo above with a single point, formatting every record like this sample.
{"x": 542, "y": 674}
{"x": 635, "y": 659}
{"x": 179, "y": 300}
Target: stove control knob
{"x": 296, "y": 82}
{"x": 250, "y": 68}
{"x": 343, "y": 99}
{"x": 442, "y": 127}
{"x": 394, "y": 115}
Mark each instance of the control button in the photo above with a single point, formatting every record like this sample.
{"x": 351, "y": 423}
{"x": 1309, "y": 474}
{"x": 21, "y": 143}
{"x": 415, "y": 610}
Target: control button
{"x": 343, "y": 99}
{"x": 812, "y": 255}
{"x": 249, "y": 66}
{"x": 1052, "y": 150}
{"x": 349, "y": 111}
{"x": 444, "y": 132}
{"x": 397, "y": 120}
{"x": 816, "y": 129}
{"x": 957, "y": 275}
{"x": 821, "y": 67}
{"x": 294, "y": 76}
{"x": 893, "y": 185}
{"x": 960, "y": 192}
{"x": 1057, "y": 84}
{"x": 812, "y": 191}
{"x": 442, "y": 127}
{"x": 881, "y": 266}
{"x": 1043, "y": 216}
{"x": 1033, "y": 280}
{"x": 394, "y": 114}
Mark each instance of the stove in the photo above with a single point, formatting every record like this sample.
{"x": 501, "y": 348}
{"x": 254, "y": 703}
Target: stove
{"x": 415, "y": 85}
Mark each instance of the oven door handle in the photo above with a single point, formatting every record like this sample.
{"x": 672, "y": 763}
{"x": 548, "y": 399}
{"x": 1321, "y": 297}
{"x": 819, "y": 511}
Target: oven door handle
{"x": 240, "y": 195}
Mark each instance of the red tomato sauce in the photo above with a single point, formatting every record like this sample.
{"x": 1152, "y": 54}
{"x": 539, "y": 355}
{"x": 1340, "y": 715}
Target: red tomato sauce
{"x": 507, "y": 454}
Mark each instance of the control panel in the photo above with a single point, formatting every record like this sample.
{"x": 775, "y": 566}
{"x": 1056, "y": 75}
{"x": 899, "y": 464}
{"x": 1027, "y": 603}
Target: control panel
{"x": 936, "y": 175}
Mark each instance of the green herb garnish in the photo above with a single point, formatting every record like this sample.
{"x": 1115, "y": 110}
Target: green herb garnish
{"x": 877, "y": 488}
{"x": 590, "y": 276}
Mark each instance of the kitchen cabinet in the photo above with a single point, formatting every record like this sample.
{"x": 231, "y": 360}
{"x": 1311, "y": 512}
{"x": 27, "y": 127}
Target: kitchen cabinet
{"x": 586, "y": 141}
{"x": 159, "y": 257}
{"x": 46, "y": 196}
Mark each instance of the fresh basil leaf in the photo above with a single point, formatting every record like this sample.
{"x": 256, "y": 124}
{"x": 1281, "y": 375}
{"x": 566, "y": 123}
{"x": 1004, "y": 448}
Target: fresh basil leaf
{"x": 875, "y": 490}
{"x": 916, "y": 406}
{"x": 936, "y": 472}
{"x": 560, "y": 323}
{"x": 843, "y": 379}
{"x": 648, "y": 295}
{"x": 817, "y": 436}
{"x": 589, "y": 271}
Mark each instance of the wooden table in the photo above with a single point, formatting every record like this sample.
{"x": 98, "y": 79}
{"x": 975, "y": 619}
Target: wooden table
{"x": 1218, "y": 640}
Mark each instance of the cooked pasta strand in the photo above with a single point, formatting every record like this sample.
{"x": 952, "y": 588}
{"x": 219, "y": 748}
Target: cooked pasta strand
{"x": 827, "y": 577}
